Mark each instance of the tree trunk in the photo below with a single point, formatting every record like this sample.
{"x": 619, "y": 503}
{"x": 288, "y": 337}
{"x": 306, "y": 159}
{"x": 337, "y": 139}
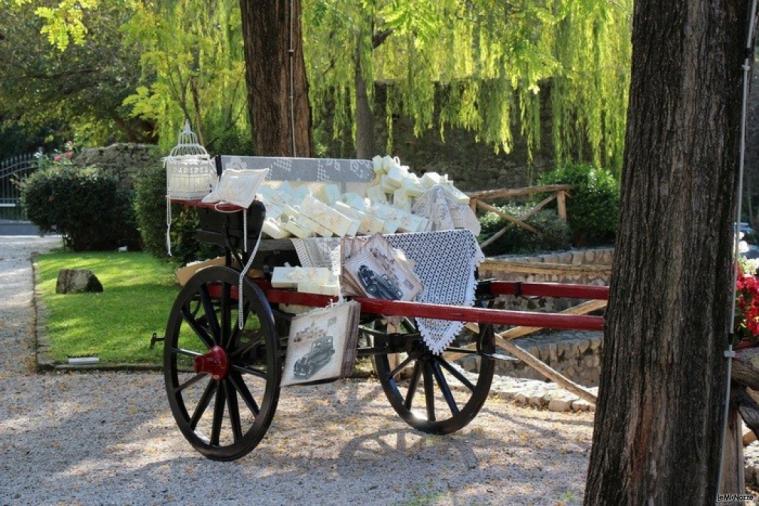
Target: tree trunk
{"x": 266, "y": 33}
{"x": 364, "y": 116}
{"x": 658, "y": 418}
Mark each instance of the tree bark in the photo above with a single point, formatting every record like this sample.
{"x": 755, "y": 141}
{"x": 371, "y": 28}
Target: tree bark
{"x": 364, "y": 115}
{"x": 266, "y": 34}
{"x": 658, "y": 419}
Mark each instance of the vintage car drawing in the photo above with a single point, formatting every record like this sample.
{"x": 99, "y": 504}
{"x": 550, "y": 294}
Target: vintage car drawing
{"x": 318, "y": 356}
{"x": 378, "y": 286}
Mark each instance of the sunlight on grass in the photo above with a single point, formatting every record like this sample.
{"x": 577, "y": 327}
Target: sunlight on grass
{"x": 115, "y": 325}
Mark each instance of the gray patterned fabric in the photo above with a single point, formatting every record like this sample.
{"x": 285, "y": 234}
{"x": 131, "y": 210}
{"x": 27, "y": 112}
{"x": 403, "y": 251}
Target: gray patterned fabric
{"x": 445, "y": 262}
{"x": 326, "y": 170}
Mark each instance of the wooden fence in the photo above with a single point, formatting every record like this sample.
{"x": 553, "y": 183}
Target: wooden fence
{"x": 479, "y": 201}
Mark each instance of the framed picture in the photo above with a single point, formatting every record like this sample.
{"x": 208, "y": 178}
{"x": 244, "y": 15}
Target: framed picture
{"x": 322, "y": 344}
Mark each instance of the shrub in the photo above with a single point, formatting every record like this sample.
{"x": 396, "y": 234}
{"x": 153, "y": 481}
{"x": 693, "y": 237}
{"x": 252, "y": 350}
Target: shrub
{"x": 150, "y": 211}
{"x": 554, "y": 232}
{"x": 85, "y": 205}
{"x": 593, "y": 207}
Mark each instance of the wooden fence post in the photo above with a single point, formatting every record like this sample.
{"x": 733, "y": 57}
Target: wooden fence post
{"x": 561, "y": 202}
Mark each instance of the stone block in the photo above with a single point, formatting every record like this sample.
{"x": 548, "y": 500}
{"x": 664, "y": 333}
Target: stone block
{"x": 77, "y": 281}
{"x": 581, "y": 405}
{"x": 559, "y": 405}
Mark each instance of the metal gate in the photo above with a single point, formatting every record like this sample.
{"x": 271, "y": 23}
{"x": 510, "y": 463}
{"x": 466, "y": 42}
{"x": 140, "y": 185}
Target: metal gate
{"x": 12, "y": 171}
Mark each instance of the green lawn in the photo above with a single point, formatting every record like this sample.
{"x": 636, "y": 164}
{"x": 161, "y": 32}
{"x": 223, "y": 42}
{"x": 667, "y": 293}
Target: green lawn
{"x": 138, "y": 291}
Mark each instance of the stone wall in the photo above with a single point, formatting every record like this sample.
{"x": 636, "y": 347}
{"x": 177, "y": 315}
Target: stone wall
{"x": 122, "y": 159}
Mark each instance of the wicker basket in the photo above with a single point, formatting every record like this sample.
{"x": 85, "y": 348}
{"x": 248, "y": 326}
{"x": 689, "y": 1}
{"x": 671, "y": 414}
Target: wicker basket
{"x": 190, "y": 172}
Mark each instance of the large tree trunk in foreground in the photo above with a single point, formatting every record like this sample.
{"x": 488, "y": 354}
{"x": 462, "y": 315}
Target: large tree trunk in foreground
{"x": 266, "y": 33}
{"x": 658, "y": 419}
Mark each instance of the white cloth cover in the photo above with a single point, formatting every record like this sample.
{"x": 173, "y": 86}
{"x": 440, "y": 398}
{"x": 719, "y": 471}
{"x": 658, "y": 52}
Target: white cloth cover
{"x": 237, "y": 186}
{"x": 445, "y": 262}
{"x": 444, "y": 211}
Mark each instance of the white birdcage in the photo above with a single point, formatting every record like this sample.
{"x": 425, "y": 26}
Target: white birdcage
{"x": 190, "y": 172}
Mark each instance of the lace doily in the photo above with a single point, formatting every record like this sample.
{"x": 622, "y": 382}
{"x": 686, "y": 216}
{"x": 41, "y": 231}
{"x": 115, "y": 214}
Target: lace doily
{"x": 445, "y": 262}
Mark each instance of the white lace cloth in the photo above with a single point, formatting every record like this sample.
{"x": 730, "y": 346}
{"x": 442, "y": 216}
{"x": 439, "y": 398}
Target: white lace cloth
{"x": 445, "y": 262}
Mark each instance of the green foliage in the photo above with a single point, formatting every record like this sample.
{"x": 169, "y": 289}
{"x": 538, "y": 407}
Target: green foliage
{"x": 485, "y": 65}
{"x": 554, "y": 232}
{"x": 75, "y": 94}
{"x": 479, "y": 65}
{"x": 150, "y": 212}
{"x": 85, "y": 205}
{"x": 114, "y": 325}
{"x": 593, "y": 205}
{"x": 191, "y": 55}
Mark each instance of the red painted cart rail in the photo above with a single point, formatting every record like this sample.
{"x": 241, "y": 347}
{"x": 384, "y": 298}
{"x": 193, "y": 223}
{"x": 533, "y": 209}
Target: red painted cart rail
{"x": 460, "y": 313}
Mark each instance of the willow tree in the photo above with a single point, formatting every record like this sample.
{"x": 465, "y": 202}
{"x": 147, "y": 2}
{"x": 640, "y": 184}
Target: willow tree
{"x": 658, "y": 419}
{"x": 479, "y": 65}
{"x": 193, "y": 68}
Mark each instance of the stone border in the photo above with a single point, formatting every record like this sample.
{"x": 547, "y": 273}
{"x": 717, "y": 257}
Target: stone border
{"x": 539, "y": 394}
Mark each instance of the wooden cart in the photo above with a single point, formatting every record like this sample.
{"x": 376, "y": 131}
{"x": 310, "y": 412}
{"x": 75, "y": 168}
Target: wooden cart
{"x": 223, "y": 382}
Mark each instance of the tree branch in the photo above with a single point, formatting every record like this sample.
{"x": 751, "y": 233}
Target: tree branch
{"x": 379, "y": 37}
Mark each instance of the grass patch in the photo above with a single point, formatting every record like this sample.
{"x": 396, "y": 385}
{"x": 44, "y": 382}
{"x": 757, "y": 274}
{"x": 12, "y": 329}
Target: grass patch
{"x": 115, "y": 325}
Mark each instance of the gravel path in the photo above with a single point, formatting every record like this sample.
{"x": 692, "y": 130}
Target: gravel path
{"x": 109, "y": 438}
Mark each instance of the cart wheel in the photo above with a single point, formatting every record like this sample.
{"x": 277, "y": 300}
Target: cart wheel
{"x": 208, "y": 361}
{"x": 451, "y": 397}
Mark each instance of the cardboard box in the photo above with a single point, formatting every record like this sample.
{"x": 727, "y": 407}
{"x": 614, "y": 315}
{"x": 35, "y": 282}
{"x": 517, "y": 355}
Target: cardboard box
{"x": 184, "y": 274}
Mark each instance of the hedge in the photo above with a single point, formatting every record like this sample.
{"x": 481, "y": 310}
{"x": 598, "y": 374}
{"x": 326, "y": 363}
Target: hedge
{"x": 86, "y": 205}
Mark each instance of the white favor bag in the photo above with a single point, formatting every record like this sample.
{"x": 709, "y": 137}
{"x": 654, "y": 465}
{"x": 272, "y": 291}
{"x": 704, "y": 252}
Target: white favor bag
{"x": 237, "y": 186}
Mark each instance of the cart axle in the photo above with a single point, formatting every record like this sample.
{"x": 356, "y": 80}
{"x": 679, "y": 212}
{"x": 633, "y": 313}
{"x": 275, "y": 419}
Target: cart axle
{"x": 215, "y": 363}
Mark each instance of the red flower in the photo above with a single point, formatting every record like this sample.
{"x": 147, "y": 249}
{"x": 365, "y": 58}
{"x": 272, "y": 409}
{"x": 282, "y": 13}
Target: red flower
{"x": 747, "y": 302}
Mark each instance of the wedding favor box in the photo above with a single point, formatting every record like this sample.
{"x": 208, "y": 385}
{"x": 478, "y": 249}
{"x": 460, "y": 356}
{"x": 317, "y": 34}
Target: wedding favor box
{"x": 318, "y": 280}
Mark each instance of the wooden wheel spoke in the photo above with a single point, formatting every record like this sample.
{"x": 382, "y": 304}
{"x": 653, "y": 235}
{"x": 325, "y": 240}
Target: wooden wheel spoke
{"x": 234, "y": 412}
{"x": 218, "y": 415}
{"x": 429, "y": 392}
{"x": 190, "y": 381}
{"x": 443, "y": 384}
{"x": 189, "y": 353}
{"x": 256, "y": 339}
{"x": 456, "y": 373}
{"x": 413, "y": 384}
{"x": 205, "y": 399}
{"x": 239, "y": 385}
{"x": 400, "y": 366}
{"x": 210, "y": 313}
{"x": 195, "y": 325}
{"x": 461, "y": 350}
{"x": 249, "y": 370}
{"x": 226, "y": 315}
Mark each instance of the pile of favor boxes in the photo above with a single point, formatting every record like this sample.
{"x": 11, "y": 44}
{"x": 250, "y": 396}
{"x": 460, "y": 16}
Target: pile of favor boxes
{"x": 303, "y": 211}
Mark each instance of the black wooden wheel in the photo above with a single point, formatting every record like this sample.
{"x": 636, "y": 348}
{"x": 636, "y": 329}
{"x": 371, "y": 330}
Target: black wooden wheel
{"x": 433, "y": 393}
{"x": 222, "y": 382}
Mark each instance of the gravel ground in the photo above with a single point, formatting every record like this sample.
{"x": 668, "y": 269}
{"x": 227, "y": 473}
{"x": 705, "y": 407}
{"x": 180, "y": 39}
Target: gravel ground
{"x": 109, "y": 438}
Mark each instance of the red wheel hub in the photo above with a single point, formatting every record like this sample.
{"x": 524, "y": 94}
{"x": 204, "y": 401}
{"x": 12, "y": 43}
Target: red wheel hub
{"x": 215, "y": 363}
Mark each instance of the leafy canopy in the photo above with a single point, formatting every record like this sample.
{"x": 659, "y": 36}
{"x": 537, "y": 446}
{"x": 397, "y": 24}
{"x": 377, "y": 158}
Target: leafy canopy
{"x": 489, "y": 66}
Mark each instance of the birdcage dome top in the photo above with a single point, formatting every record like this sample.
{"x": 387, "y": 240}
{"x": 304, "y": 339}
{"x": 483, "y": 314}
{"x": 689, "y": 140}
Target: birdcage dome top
{"x": 187, "y": 144}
